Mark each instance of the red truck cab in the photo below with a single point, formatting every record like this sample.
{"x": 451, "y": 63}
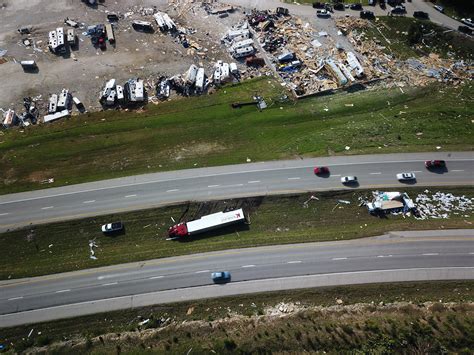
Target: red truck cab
{"x": 178, "y": 230}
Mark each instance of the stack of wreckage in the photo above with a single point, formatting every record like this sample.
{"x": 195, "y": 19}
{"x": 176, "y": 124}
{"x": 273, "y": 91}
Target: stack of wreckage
{"x": 27, "y": 117}
{"x": 390, "y": 203}
{"x": 299, "y": 56}
{"x": 379, "y": 64}
{"x": 58, "y": 40}
{"x": 59, "y": 106}
{"x": 195, "y": 81}
{"x": 132, "y": 93}
{"x": 239, "y": 41}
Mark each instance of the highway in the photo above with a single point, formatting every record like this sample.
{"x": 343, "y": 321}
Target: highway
{"x": 407, "y": 255}
{"x": 276, "y": 177}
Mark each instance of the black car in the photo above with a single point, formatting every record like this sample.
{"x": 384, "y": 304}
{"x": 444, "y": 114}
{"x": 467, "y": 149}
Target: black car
{"x": 356, "y": 7}
{"x": 465, "y": 29}
{"x": 399, "y": 10}
{"x": 318, "y": 5}
{"x": 421, "y": 15}
{"x": 339, "y": 6}
{"x": 369, "y": 15}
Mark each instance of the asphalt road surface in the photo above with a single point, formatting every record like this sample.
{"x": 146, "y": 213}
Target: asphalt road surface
{"x": 396, "y": 252}
{"x": 309, "y": 13}
{"x": 151, "y": 190}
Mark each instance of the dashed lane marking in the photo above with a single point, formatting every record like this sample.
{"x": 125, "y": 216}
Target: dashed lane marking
{"x": 202, "y": 271}
{"x": 15, "y": 298}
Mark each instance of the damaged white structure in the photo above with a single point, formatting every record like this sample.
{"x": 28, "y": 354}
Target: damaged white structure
{"x": 355, "y": 65}
{"x": 333, "y": 68}
{"x": 164, "y": 22}
{"x": 59, "y": 106}
{"x": 134, "y": 90}
{"x": 56, "y": 41}
{"x": 389, "y": 202}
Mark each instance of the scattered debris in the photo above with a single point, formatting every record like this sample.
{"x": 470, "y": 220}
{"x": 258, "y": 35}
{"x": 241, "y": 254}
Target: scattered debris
{"x": 92, "y": 245}
{"x": 441, "y": 205}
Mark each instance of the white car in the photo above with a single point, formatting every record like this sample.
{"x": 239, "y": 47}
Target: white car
{"x": 439, "y": 8}
{"x": 406, "y": 176}
{"x": 468, "y": 21}
{"x": 349, "y": 179}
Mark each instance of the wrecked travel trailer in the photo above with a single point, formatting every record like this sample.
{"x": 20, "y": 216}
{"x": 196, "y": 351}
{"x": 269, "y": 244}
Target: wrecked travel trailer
{"x": 56, "y": 116}
{"x": 134, "y": 91}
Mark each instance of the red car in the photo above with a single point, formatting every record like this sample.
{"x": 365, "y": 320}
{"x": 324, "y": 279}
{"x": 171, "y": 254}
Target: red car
{"x": 435, "y": 164}
{"x": 321, "y": 170}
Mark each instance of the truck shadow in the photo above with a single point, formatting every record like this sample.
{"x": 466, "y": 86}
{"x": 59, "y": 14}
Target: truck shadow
{"x": 229, "y": 230}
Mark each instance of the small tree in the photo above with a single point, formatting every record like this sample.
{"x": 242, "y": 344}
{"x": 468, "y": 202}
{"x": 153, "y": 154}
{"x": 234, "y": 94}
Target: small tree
{"x": 415, "y": 34}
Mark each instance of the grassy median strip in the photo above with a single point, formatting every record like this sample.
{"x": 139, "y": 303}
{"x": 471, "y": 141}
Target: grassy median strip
{"x": 206, "y": 131}
{"x": 425, "y": 317}
{"x": 60, "y": 247}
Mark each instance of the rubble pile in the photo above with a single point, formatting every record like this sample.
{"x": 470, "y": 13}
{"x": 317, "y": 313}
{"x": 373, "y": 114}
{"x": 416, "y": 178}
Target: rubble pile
{"x": 441, "y": 205}
{"x": 27, "y": 117}
{"x": 419, "y": 72}
{"x": 302, "y": 61}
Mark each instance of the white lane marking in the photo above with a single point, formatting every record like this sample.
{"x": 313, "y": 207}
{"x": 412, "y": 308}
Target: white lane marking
{"x": 62, "y": 291}
{"x": 294, "y": 178}
{"x": 214, "y": 185}
{"x": 47, "y": 208}
{"x": 376, "y": 173}
{"x": 456, "y": 171}
{"x": 235, "y": 185}
{"x": 110, "y": 284}
{"x": 155, "y": 277}
{"x": 4, "y": 214}
{"x": 384, "y": 256}
{"x": 91, "y": 201}
{"x": 336, "y": 175}
{"x": 430, "y": 254}
{"x": 15, "y": 298}
{"x": 254, "y": 182}
{"x": 247, "y": 266}
{"x": 417, "y": 171}
{"x": 294, "y": 262}
{"x": 338, "y": 259}
{"x": 173, "y": 190}
{"x": 471, "y": 253}
{"x": 202, "y": 271}
{"x": 220, "y": 174}
{"x": 128, "y": 196}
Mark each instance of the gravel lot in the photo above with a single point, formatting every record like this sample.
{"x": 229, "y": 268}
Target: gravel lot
{"x": 87, "y": 68}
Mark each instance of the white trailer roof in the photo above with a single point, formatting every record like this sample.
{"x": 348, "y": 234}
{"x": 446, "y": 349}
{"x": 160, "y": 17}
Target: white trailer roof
{"x": 215, "y": 220}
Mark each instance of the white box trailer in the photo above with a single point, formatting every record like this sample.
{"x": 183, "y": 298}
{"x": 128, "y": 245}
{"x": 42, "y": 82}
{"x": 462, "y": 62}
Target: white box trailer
{"x": 244, "y": 34}
{"x": 120, "y": 95}
{"x": 60, "y": 36}
{"x": 334, "y": 70}
{"x": 200, "y": 79}
{"x": 233, "y": 68}
{"x": 29, "y": 65}
{"x": 135, "y": 90}
{"x": 244, "y": 52}
{"x": 191, "y": 74}
{"x": 110, "y": 101}
{"x": 56, "y": 116}
{"x": 160, "y": 21}
{"x": 225, "y": 72}
{"x": 64, "y": 100}
{"x": 207, "y": 223}
{"x": 53, "y": 103}
{"x": 169, "y": 22}
{"x": 71, "y": 37}
{"x": 241, "y": 44}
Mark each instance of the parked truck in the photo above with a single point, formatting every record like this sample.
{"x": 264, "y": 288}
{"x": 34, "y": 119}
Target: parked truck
{"x": 206, "y": 223}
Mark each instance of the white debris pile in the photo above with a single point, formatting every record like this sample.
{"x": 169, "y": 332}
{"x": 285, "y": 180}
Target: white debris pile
{"x": 441, "y": 205}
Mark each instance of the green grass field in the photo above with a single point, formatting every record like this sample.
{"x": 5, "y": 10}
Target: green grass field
{"x": 370, "y": 323}
{"x": 206, "y": 131}
{"x": 274, "y": 220}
